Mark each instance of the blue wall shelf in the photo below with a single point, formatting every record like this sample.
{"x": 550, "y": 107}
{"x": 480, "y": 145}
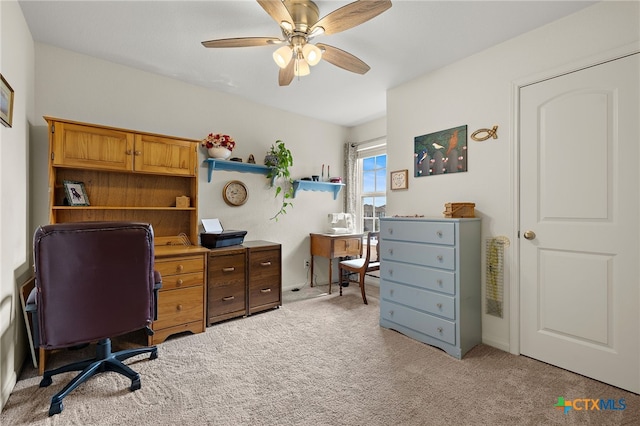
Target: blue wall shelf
{"x": 310, "y": 185}
{"x": 235, "y": 166}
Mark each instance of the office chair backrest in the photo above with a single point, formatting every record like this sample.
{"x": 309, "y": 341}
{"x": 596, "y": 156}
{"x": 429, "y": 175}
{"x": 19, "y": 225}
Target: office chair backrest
{"x": 94, "y": 280}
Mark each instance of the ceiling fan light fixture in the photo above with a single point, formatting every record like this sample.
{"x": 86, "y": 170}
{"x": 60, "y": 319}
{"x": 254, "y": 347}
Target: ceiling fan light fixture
{"x": 312, "y": 54}
{"x": 301, "y": 68}
{"x": 282, "y": 56}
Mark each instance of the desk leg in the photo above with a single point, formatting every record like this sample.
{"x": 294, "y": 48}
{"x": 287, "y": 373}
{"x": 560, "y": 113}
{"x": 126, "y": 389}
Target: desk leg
{"x": 311, "y": 272}
{"x": 330, "y": 270}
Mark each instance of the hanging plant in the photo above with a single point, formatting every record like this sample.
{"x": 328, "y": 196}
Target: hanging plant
{"x": 279, "y": 158}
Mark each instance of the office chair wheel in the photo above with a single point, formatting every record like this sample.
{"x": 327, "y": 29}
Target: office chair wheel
{"x": 154, "y": 354}
{"x": 55, "y": 408}
{"x": 135, "y": 384}
{"x": 46, "y": 381}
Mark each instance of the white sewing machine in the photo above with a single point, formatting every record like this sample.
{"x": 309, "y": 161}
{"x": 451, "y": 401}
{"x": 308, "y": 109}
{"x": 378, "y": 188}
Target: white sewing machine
{"x": 341, "y": 223}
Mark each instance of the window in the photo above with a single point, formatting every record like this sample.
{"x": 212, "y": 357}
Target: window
{"x": 372, "y": 171}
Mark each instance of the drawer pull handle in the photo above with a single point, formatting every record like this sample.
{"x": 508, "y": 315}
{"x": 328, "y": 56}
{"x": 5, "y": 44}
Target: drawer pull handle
{"x": 391, "y": 272}
{"x": 391, "y": 292}
{"x": 440, "y": 330}
{"x": 391, "y": 251}
{"x": 180, "y": 268}
{"x": 439, "y": 283}
{"x": 265, "y": 290}
{"x": 179, "y": 307}
{"x": 265, "y": 263}
{"x": 391, "y": 231}
{"x": 137, "y": 152}
{"x": 229, "y": 269}
{"x": 128, "y": 152}
{"x": 439, "y": 257}
{"x": 439, "y": 234}
{"x": 228, "y": 298}
{"x": 179, "y": 282}
{"x": 439, "y": 305}
{"x": 391, "y": 313}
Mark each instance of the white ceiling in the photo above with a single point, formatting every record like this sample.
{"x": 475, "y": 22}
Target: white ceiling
{"x": 408, "y": 40}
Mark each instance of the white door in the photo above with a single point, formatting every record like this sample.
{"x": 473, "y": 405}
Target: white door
{"x": 579, "y": 222}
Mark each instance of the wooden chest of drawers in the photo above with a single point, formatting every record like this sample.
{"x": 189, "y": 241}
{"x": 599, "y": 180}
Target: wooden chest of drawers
{"x": 265, "y": 275}
{"x": 430, "y": 281}
{"x": 227, "y": 293}
{"x": 243, "y": 279}
{"x": 181, "y": 300}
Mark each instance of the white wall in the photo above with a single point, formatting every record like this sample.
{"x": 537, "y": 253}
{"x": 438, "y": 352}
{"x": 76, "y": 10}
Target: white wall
{"x": 478, "y": 92}
{"x": 79, "y": 87}
{"x": 16, "y": 65}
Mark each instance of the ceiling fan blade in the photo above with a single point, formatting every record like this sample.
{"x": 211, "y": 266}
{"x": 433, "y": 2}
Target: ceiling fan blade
{"x": 342, "y": 59}
{"x": 285, "y": 76}
{"x": 277, "y": 10}
{"x": 242, "y": 42}
{"x": 352, "y": 15}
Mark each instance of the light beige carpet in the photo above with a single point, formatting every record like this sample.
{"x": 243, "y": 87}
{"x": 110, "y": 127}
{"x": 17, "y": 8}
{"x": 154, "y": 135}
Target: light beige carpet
{"x": 319, "y": 361}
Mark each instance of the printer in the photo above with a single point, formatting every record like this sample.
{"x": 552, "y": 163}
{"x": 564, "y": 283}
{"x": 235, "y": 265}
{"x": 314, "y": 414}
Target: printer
{"x": 214, "y": 236}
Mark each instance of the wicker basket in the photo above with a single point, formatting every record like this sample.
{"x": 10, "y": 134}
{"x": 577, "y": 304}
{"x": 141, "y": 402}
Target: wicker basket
{"x": 459, "y": 210}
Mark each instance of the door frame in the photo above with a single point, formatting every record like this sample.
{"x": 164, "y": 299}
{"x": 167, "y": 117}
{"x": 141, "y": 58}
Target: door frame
{"x": 516, "y": 85}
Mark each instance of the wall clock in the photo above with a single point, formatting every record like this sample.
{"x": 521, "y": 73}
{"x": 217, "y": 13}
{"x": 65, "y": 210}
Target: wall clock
{"x": 235, "y": 193}
{"x": 400, "y": 179}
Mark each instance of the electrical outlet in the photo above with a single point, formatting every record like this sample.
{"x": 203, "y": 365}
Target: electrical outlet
{"x": 307, "y": 263}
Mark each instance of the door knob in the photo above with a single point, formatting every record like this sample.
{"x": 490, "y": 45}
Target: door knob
{"x": 529, "y": 235}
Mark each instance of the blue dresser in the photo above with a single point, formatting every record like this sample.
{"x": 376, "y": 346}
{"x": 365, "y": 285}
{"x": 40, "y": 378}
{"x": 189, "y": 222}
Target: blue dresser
{"x": 430, "y": 281}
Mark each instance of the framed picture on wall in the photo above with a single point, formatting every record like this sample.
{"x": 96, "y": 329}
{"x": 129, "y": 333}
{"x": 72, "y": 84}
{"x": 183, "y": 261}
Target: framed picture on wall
{"x": 6, "y": 102}
{"x": 399, "y": 179}
{"x": 441, "y": 152}
{"x": 76, "y": 194}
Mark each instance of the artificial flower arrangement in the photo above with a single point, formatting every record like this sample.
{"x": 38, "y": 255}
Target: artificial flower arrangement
{"x": 217, "y": 140}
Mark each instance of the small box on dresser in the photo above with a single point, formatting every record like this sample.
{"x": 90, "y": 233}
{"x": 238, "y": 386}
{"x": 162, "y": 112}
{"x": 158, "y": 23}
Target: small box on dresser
{"x": 430, "y": 281}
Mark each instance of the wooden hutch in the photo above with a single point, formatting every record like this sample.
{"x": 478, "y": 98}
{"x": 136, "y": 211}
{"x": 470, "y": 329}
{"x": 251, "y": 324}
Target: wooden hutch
{"x": 137, "y": 176}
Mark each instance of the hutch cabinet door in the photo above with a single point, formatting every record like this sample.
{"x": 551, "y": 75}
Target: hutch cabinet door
{"x": 155, "y": 154}
{"x": 91, "y": 147}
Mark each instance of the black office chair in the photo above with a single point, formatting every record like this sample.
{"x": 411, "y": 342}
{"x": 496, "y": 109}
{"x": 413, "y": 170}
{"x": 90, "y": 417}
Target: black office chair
{"x": 94, "y": 281}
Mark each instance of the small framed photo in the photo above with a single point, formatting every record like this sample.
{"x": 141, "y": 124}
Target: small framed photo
{"x": 400, "y": 179}
{"x": 6, "y": 102}
{"x": 76, "y": 194}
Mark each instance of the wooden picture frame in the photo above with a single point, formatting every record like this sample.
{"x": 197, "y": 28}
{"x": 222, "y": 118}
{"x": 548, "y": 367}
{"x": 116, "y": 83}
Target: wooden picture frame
{"x": 399, "y": 179}
{"x": 76, "y": 193}
{"x": 6, "y": 102}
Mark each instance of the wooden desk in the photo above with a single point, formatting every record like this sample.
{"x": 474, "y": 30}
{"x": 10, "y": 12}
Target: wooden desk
{"x": 332, "y": 246}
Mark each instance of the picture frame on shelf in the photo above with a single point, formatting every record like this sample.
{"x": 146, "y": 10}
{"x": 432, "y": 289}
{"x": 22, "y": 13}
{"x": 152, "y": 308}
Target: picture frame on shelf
{"x": 399, "y": 179}
{"x": 76, "y": 193}
{"x": 6, "y": 102}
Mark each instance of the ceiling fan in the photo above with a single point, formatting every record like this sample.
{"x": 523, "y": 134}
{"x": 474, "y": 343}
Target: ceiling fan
{"x": 299, "y": 23}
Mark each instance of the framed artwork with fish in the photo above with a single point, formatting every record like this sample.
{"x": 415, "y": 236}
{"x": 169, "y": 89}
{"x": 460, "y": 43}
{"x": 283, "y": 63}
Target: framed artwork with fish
{"x": 441, "y": 152}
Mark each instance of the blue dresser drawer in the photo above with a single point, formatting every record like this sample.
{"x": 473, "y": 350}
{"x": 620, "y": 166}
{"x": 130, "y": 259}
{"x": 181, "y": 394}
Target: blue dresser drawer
{"x": 420, "y": 276}
{"x": 423, "y": 232}
{"x": 424, "y": 300}
{"x": 423, "y": 254}
{"x": 424, "y": 323}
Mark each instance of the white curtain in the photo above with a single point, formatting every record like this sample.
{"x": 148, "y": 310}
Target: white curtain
{"x": 351, "y": 177}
